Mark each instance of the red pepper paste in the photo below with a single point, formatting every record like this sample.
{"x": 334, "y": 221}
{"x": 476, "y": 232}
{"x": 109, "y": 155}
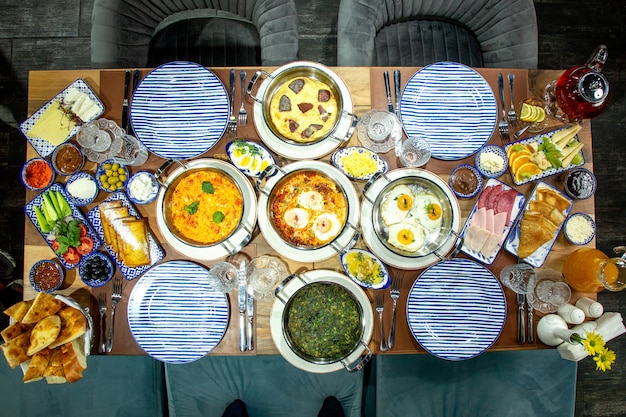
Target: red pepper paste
{"x": 38, "y": 174}
{"x": 46, "y": 276}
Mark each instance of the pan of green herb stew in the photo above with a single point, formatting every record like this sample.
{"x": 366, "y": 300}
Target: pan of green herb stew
{"x": 321, "y": 321}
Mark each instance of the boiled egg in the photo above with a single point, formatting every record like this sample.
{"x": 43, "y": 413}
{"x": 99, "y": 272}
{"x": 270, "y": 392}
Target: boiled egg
{"x": 407, "y": 236}
{"x": 258, "y": 165}
{"x": 296, "y": 217}
{"x": 326, "y": 226}
{"x": 427, "y": 211}
{"x": 397, "y": 204}
{"x": 311, "y": 200}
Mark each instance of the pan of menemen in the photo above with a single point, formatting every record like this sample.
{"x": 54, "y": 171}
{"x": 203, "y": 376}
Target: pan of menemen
{"x": 308, "y": 210}
{"x": 206, "y": 208}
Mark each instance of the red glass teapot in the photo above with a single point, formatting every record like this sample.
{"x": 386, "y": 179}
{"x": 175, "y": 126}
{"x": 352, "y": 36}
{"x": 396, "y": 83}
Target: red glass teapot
{"x": 581, "y": 92}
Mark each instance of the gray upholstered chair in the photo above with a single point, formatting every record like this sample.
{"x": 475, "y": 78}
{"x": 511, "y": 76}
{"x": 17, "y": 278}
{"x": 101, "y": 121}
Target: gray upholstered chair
{"x": 135, "y": 33}
{"x": 478, "y": 33}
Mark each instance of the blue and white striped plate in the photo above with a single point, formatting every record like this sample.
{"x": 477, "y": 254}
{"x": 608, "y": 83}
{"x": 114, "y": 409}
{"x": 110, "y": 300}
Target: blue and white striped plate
{"x": 179, "y": 110}
{"x": 175, "y": 315}
{"x": 452, "y": 106}
{"x": 456, "y": 309}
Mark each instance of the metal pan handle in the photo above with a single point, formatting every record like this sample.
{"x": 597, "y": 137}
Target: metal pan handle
{"x": 161, "y": 170}
{"x": 364, "y": 360}
{"x": 353, "y": 124}
{"x": 253, "y": 81}
{"x": 278, "y": 292}
{"x": 267, "y": 172}
{"x": 351, "y": 243}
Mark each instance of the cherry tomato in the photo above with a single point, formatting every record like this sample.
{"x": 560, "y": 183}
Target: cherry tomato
{"x": 83, "y": 229}
{"x": 55, "y": 245}
{"x": 85, "y": 246}
{"x": 71, "y": 256}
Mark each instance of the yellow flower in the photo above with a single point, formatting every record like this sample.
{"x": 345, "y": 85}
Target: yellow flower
{"x": 604, "y": 359}
{"x": 593, "y": 343}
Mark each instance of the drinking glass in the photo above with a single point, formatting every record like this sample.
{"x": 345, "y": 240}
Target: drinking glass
{"x": 521, "y": 277}
{"x": 550, "y": 291}
{"x": 223, "y": 277}
{"x": 264, "y": 273}
{"x": 415, "y": 152}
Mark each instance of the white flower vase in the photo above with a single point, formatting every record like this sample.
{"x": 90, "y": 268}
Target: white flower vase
{"x": 552, "y": 330}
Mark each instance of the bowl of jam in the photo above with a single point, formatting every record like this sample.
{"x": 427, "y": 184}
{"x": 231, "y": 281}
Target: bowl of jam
{"x": 46, "y": 275}
{"x": 579, "y": 183}
{"x": 465, "y": 181}
{"x": 67, "y": 159}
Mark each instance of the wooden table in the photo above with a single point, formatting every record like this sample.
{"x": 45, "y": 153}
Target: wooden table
{"x": 367, "y": 91}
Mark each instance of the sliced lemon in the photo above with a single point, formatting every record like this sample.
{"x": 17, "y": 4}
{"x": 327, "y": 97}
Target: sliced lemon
{"x": 541, "y": 115}
{"x": 526, "y": 112}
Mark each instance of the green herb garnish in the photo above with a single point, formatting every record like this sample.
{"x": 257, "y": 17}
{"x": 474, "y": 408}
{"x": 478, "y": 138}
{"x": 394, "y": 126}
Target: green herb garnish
{"x": 192, "y": 208}
{"x": 218, "y": 216}
{"x": 207, "y": 187}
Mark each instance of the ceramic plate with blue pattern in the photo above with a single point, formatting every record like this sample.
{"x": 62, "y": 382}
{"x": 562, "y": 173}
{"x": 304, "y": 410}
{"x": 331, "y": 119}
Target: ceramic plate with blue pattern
{"x": 156, "y": 252}
{"x": 456, "y": 309}
{"x": 179, "y": 110}
{"x": 538, "y": 257}
{"x": 175, "y": 315}
{"x": 450, "y": 105}
{"x": 29, "y": 209}
{"x": 346, "y": 158}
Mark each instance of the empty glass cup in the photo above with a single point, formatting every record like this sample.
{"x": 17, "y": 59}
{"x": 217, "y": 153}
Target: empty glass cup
{"x": 264, "y": 273}
{"x": 223, "y": 277}
{"x": 550, "y": 292}
{"x": 521, "y": 277}
{"x": 415, "y": 152}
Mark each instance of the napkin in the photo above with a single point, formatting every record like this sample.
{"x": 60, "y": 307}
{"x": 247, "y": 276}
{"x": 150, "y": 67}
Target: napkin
{"x": 609, "y": 326}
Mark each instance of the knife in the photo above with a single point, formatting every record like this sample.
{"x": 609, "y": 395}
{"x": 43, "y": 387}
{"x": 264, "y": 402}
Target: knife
{"x": 250, "y": 329}
{"x": 521, "y": 328}
{"x": 136, "y": 78}
{"x": 125, "y": 104}
{"x": 531, "y": 324}
{"x": 241, "y": 278}
{"x": 388, "y": 90}
{"x": 396, "y": 85}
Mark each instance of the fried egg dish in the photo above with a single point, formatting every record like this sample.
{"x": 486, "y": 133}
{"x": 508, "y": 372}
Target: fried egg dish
{"x": 303, "y": 110}
{"x": 308, "y": 209}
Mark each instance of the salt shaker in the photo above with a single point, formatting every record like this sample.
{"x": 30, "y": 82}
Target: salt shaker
{"x": 590, "y": 307}
{"x": 571, "y": 314}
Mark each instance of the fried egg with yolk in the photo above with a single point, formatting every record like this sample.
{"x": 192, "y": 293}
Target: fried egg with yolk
{"x": 427, "y": 210}
{"x": 326, "y": 226}
{"x": 297, "y": 218}
{"x": 397, "y": 205}
{"x": 407, "y": 236}
{"x": 311, "y": 200}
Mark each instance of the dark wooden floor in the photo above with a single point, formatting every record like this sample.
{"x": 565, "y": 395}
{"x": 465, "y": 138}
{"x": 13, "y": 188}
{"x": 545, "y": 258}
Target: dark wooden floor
{"x": 56, "y": 36}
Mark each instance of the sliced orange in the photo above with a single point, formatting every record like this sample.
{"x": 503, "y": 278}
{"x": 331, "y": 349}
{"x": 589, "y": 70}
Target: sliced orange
{"x": 515, "y": 148}
{"x": 518, "y": 162}
{"x": 526, "y": 171}
{"x": 519, "y": 154}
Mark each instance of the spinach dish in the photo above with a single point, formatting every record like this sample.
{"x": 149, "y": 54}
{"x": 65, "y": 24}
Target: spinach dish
{"x": 323, "y": 321}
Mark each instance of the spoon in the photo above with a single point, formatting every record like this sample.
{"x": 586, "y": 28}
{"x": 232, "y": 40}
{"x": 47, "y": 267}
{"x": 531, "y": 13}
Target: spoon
{"x": 521, "y": 131}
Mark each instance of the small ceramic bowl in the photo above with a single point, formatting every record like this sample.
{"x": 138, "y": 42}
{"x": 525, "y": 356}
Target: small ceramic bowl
{"x": 579, "y": 228}
{"x": 465, "y": 181}
{"x": 39, "y": 180}
{"x": 580, "y": 183}
{"x": 488, "y": 155}
{"x": 359, "y": 265}
{"x": 347, "y": 159}
{"x": 81, "y": 188}
{"x": 110, "y": 169}
{"x": 67, "y": 159}
{"x": 46, "y": 275}
{"x": 95, "y": 269}
{"x": 142, "y": 187}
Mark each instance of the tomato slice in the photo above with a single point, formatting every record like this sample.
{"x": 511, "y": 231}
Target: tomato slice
{"x": 85, "y": 246}
{"x": 83, "y": 229}
{"x": 71, "y": 256}
{"x": 55, "y": 245}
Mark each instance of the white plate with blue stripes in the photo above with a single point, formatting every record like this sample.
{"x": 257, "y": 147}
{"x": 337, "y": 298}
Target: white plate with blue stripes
{"x": 456, "y": 309}
{"x": 175, "y": 315}
{"x": 179, "y": 110}
{"x": 450, "y": 105}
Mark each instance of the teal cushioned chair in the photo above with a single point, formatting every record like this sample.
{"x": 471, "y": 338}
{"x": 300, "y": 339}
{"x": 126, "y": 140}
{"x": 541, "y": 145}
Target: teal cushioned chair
{"x": 112, "y": 386}
{"x": 536, "y": 383}
{"x": 268, "y": 385}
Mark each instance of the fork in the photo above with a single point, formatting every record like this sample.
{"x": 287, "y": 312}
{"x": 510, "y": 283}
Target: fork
{"x": 243, "y": 116}
{"x": 396, "y": 284}
{"x": 380, "y": 306}
{"x": 116, "y": 296}
{"x": 511, "y": 114}
{"x": 231, "y": 127}
{"x": 503, "y": 126}
{"x": 102, "y": 306}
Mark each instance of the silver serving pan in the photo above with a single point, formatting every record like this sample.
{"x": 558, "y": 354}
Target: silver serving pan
{"x": 346, "y": 238}
{"x": 344, "y": 126}
{"x": 355, "y": 359}
{"x": 438, "y": 244}
{"x": 229, "y": 245}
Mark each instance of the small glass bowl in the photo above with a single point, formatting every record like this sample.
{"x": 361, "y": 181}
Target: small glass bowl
{"x": 483, "y": 168}
{"x": 142, "y": 187}
{"x": 101, "y": 174}
{"x": 535, "y": 127}
{"x": 73, "y": 157}
{"x": 573, "y": 225}
{"x": 83, "y": 195}
{"x": 28, "y": 182}
{"x": 465, "y": 181}
{"x": 46, "y": 275}
{"x": 95, "y": 269}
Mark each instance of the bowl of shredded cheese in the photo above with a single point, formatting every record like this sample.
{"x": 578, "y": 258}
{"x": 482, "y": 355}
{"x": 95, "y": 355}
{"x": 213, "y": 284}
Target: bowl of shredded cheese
{"x": 579, "y": 228}
{"x": 358, "y": 163}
